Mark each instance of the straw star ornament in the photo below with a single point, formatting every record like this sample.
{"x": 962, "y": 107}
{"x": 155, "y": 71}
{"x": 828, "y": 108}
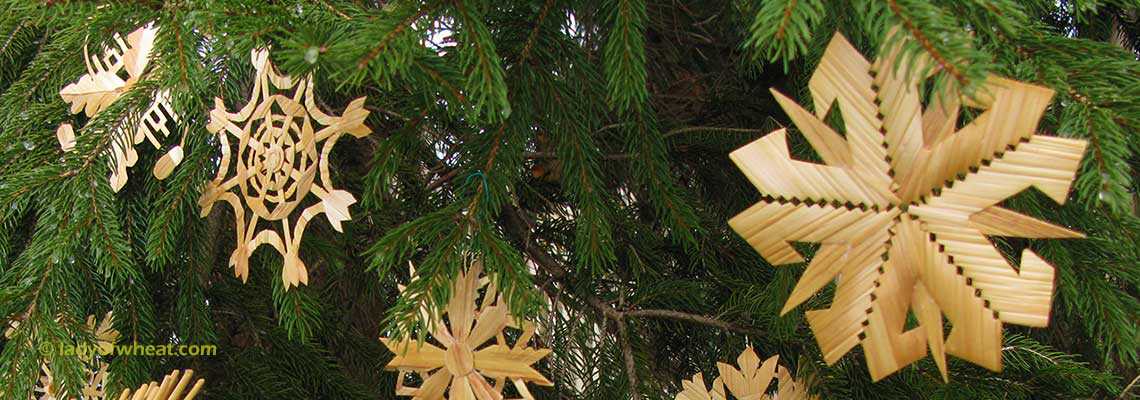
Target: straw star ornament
{"x": 462, "y": 358}
{"x": 748, "y": 381}
{"x": 275, "y": 154}
{"x": 903, "y": 205}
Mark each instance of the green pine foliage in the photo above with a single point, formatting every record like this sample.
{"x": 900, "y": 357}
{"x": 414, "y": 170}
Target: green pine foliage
{"x": 578, "y": 149}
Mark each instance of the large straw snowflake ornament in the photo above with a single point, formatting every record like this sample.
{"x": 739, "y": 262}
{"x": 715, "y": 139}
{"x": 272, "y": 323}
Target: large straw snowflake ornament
{"x": 902, "y": 207}
{"x": 108, "y": 78}
{"x": 459, "y": 359}
{"x": 281, "y": 156}
{"x": 748, "y": 382}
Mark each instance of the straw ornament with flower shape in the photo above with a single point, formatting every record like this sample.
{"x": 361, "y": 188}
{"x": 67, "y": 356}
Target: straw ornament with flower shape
{"x": 460, "y": 359}
{"x": 748, "y": 381}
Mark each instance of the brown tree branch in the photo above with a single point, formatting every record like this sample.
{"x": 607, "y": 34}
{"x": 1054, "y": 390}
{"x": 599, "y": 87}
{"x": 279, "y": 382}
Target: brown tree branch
{"x": 446, "y": 177}
{"x": 694, "y": 318}
{"x": 928, "y": 44}
{"x": 630, "y": 365}
{"x": 516, "y": 224}
{"x": 666, "y": 135}
{"x": 549, "y": 155}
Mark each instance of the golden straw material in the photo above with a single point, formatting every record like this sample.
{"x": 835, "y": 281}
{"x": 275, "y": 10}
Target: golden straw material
{"x": 108, "y": 78}
{"x": 95, "y": 367}
{"x": 902, "y": 207}
{"x": 173, "y": 387}
{"x": 281, "y": 156}
{"x": 457, "y": 360}
{"x": 95, "y": 386}
{"x": 748, "y": 381}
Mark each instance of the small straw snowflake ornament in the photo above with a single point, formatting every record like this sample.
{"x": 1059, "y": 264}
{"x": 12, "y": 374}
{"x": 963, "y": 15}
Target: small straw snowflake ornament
{"x": 95, "y": 384}
{"x": 46, "y": 388}
{"x": 108, "y": 78}
{"x": 749, "y": 381}
{"x": 282, "y": 143}
{"x": 105, "y": 335}
{"x": 460, "y": 359}
{"x": 903, "y": 205}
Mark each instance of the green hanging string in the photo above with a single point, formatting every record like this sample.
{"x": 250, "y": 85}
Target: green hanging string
{"x": 482, "y": 176}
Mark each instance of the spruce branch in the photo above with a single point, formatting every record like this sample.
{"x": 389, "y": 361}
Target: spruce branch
{"x": 387, "y": 39}
{"x": 542, "y": 13}
{"x": 516, "y": 224}
{"x": 781, "y": 30}
{"x": 438, "y": 77}
{"x": 485, "y": 85}
{"x": 625, "y": 55}
{"x": 651, "y": 170}
{"x": 11, "y": 38}
{"x": 1128, "y": 389}
{"x": 928, "y": 45}
{"x": 336, "y": 11}
{"x": 627, "y": 356}
{"x": 183, "y": 64}
{"x": 694, "y": 319}
{"x": 670, "y": 133}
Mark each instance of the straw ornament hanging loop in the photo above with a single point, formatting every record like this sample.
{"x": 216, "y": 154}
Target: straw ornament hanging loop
{"x": 903, "y": 205}
{"x": 275, "y": 154}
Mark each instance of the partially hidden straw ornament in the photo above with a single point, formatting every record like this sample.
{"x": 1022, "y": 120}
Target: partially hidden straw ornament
{"x": 275, "y": 154}
{"x": 903, "y": 205}
{"x": 749, "y": 380}
{"x": 97, "y": 374}
{"x": 108, "y": 78}
{"x": 175, "y": 386}
{"x": 95, "y": 367}
{"x": 460, "y": 358}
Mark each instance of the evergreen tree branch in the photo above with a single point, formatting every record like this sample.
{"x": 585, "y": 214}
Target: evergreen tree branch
{"x": 625, "y": 55}
{"x": 627, "y": 356}
{"x": 387, "y": 39}
{"x": 11, "y": 38}
{"x": 670, "y": 133}
{"x": 335, "y": 10}
{"x": 688, "y": 129}
{"x": 928, "y": 45}
{"x": 652, "y": 171}
{"x": 485, "y": 85}
{"x": 525, "y": 54}
{"x": 438, "y": 77}
{"x": 515, "y": 224}
{"x": 782, "y": 29}
{"x": 1128, "y": 389}
{"x": 694, "y": 319}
